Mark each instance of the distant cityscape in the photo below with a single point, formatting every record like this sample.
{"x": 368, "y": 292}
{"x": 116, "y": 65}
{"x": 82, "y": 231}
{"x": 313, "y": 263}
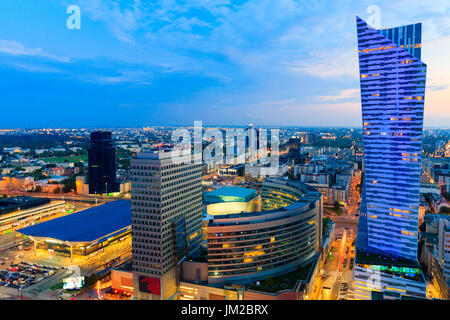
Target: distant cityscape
{"x": 59, "y": 168}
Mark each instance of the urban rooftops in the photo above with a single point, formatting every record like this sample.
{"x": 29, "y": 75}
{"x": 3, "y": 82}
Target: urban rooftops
{"x": 8, "y": 205}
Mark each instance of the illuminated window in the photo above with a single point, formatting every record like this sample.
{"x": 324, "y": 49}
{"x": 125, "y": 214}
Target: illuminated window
{"x": 192, "y": 236}
{"x": 374, "y": 49}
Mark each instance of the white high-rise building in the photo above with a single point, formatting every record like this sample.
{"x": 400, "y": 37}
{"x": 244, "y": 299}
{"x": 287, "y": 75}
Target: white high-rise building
{"x": 444, "y": 246}
{"x": 166, "y": 210}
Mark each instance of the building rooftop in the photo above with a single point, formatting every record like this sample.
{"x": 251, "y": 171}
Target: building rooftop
{"x": 285, "y": 281}
{"x": 8, "y": 205}
{"x": 85, "y": 226}
{"x": 230, "y": 194}
{"x": 126, "y": 266}
{"x": 434, "y": 218}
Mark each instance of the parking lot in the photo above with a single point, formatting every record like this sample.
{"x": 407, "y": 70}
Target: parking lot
{"x": 23, "y": 274}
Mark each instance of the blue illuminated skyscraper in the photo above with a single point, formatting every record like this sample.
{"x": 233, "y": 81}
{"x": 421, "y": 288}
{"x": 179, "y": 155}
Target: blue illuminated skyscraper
{"x": 392, "y": 79}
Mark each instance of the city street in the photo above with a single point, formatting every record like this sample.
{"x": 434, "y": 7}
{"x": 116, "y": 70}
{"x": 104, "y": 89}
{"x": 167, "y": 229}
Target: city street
{"x": 338, "y": 267}
{"x": 354, "y": 195}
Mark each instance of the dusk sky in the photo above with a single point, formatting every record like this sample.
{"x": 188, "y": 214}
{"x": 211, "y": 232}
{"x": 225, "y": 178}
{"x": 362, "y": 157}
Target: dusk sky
{"x": 168, "y": 62}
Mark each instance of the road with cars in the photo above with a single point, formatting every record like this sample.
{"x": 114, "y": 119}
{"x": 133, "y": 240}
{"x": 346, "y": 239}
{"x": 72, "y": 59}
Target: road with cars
{"x": 338, "y": 268}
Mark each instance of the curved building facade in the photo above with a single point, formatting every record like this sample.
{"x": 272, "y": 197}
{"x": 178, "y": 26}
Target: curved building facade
{"x": 252, "y": 246}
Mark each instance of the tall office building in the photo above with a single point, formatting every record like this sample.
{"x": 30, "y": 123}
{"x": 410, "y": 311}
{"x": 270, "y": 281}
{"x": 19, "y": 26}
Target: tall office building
{"x": 392, "y": 79}
{"x": 166, "y": 220}
{"x": 102, "y": 164}
{"x": 252, "y": 143}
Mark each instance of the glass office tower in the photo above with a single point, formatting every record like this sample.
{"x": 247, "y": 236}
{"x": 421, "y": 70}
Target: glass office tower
{"x": 392, "y": 79}
{"x": 102, "y": 164}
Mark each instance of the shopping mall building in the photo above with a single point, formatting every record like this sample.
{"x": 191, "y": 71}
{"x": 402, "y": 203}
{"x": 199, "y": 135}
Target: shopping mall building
{"x": 247, "y": 246}
{"x": 276, "y": 232}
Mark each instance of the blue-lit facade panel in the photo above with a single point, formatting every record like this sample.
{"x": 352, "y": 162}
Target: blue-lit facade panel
{"x": 407, "y": 37}
{"x": 392, "y": 80}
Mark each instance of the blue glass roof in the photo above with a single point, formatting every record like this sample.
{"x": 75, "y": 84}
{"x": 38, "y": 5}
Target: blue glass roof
{"x": 85, "y": 226}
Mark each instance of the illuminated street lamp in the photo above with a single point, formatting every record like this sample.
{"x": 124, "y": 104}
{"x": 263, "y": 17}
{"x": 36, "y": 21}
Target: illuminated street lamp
{"x": 98, "y": 290}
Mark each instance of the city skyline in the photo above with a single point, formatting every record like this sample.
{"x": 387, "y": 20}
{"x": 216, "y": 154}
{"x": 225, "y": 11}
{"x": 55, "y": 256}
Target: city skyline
{"x": 203, "y": 61}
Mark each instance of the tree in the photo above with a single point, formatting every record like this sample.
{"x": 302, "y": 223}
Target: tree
{"x": 336, "y": 205}
{"x": 447, "y": 196}
{"x": 38, "y": 189}
{"x": 326, "y": 225}
{"x": 69, "y": 184}
{"x": 37, "y": 174}
{"x": 57, "y": 190}
{"x": 422, "y": 227}
{"x": 124, "y": 163}
{"x": 80, "y": 165}
{"x": 444, "y": 210}
{"x": 270, "y": 282}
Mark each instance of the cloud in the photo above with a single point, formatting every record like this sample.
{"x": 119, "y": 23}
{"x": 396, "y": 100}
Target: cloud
{"x": 18, "y": 49}
{"x": 122, "y": 22}
{"x": 36, "y": 68}
{"x": 142, "y": 78}
{"x": 255, "y": 58}
{"x": 342, "y": 95}
{"x": 437, "y": 88}
{"x": 328, "y": 64}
